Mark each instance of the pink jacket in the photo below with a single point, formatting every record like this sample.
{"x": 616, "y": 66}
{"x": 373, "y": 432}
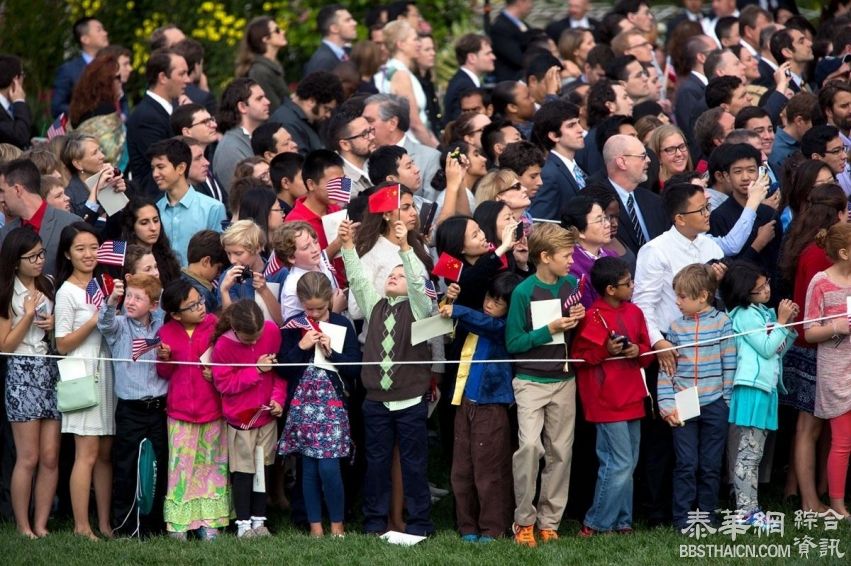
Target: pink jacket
{"x": 245, "y": 389}
{"x": 191, "y": 398}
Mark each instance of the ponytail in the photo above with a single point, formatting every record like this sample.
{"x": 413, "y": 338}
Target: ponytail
{"x": 241, "y": 316}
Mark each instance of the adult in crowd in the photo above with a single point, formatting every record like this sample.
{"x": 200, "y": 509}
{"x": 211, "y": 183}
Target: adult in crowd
{"x": 258, "y": 59}
{"x": 577, "y": 18}
{"x": 475, "y": 58}
{"x": 690, "y": 101}
{"x": 351, "y": 136}
{"x": 573, "y": 47}
{"x": 611, "y": 205}
{"x": 338, "y": 29}
{"x": 316, "y": 96}
{"x": 15, "y": 115}
{"x": 142, "y": 226}
{"x": 84, "y": 159}
{"x": 468, "y": 128}
{"x": 193, "y": 121}
{"x": 510, "y": 36}
{"x": 21, "y": 201}
{"x": 167, "y": 76}
{"x": 593, "y": 224}
{"x": 424, "y": 70}
{"x": 244, "y": 107}
{"x": 197, "y": 90}
{"x": 91, "y": 37}
{"x": 513, "y": 101}
{"x": 669, "y": 143}
{"x": 271, "y": 139}
{"x": 801, "y": 111}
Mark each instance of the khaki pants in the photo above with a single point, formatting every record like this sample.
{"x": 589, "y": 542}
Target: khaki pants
{"x": 545, "y": 415}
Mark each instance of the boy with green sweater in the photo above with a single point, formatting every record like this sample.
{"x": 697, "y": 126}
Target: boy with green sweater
{"x": 545, "y": 391}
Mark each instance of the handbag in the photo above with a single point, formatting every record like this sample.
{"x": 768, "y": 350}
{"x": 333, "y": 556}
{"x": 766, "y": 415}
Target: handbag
{"x": 77, "y": 394}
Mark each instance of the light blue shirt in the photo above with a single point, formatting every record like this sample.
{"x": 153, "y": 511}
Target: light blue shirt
{"x": 338, "y": 51}
{"x": 624, "y": 196}
{"x": 133, "y": 381}
{"x": 193, "y": 213}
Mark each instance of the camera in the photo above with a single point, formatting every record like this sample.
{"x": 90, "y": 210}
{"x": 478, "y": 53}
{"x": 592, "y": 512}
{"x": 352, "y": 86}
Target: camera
{"x": 246, "y": 275}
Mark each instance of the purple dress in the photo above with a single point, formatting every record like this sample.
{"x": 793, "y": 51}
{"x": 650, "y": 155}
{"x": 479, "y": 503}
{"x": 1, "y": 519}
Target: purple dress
{"x": 582, "y": 263}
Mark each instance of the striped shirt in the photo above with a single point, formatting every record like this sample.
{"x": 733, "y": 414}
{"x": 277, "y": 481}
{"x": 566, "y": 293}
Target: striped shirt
{"x": 709, "y": 366}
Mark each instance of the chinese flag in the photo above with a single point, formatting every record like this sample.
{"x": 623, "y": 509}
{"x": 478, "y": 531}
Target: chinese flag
{"x": 448, "y": 267}
{"x": 108, "y": 284}
{"x": 386, "y": 200}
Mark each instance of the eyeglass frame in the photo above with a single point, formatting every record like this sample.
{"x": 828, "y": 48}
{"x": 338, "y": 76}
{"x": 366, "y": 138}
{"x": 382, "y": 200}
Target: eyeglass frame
{"x": 705, "y": 210}
{"x": 516, "y": 186}
{"x": 763, "y": 287}
{"x": 370, "y": 131}
{"x": 672, "y": 150}
{"x": 205, "y": 121}
{"x": 36, "y": 257}
{"x": 193, "y": 306}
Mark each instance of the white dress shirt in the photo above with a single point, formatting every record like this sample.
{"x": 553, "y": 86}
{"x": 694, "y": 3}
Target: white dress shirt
{"x": 473, "y": 77}
{"x": 167, "y": 106}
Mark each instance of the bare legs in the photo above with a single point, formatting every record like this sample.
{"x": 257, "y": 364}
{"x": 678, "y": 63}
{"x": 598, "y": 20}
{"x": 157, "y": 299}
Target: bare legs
{"x": 37, "y": 447}
{"x": 92, "y": 462}
{"x": 807, "y": 432}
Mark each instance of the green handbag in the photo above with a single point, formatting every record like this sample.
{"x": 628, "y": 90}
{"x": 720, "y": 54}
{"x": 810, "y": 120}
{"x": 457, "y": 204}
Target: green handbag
{"x": 77, "y": 394}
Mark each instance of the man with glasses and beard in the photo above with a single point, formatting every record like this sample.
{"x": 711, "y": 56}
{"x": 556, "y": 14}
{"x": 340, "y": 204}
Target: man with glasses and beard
{"x": 352, "y": 137}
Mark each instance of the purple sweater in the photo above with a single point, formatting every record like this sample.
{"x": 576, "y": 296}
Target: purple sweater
{"x": 582, "y": 264}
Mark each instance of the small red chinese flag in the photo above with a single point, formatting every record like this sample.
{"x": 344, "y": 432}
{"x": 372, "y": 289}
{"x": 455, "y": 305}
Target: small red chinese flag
{"x": 386, "y": 200}
{"x": 448, "y": 267}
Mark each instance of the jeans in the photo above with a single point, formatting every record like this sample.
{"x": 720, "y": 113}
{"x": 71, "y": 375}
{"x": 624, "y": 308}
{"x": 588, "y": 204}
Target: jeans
{"x": 383, "y": 428}
{"x": 699, "y": 448}
{"x": 617, "y": 451}
{"x": 322, "y": 475}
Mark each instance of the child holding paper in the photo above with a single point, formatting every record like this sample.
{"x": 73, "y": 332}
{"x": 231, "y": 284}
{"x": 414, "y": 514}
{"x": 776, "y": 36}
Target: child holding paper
{"x": 481, "y": 462}
{"x": 198, "y": 496}
{"x": 612, "y": 391}
{"x": 759, "y": 371}
{"x": 708, "y": 368}
{"x": 318, "y": 423}
{"x": 545, "y": 391}
{"x": 395, "y": 407}
{"x": 252, "y": 396}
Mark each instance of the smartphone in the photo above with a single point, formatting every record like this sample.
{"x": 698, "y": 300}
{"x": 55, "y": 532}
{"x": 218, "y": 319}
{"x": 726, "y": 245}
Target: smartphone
{"x": 41, "y": 310}
{"x": 519, "y": 232}
{"x": 763, "y": 171}
{"x": 788, "y": 74}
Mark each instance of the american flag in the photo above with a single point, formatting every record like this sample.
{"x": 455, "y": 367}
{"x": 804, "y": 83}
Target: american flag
{"x": 576, "y": 296}
{"x": 143, "y": 345}
{"x": 94, "y": 296}
{"x": 331, "y": 269}
{"x": 58, "y": 127}
{"x": 301, "y": 322}
{"x": 273, "y": 266}
{"x": 430, "y": 291}
{"x": 339, "y": 189}
{"x": 112, "y": 252}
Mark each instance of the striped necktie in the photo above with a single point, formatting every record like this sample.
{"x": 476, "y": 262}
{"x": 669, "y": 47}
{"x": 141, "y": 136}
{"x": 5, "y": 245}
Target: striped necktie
{"x": 579, "y": 175}
{"x": 633, "y": 217}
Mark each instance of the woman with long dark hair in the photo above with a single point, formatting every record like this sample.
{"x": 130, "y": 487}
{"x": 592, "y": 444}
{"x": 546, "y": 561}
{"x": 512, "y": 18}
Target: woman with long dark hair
{"x": 493, "y": 217}
{"x": 261, "y": 205}
{"x": 258, "y": 58}
{"x": 793, "y": 197}
{"x": 142, "y": 226}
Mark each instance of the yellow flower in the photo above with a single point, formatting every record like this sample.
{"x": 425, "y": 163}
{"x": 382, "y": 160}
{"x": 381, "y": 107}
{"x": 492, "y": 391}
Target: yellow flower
{"x": 198, "y": 33}
{"x": 207, "y": 7}
{"x": 131, "y": 5}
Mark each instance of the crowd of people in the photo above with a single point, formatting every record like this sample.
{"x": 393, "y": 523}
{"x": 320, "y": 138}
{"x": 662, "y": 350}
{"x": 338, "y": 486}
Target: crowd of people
{"x": 638, "y": 231}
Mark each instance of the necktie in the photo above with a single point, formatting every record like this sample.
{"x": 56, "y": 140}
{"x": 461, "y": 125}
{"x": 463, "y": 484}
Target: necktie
{"x": 579, "y": 175}
{"x": 215, "y": 191}
{"x": 633, "y": 217}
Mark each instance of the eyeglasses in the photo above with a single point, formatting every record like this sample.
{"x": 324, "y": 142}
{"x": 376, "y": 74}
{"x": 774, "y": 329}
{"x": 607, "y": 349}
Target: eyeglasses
{"x": 366, "y": 134}
{"x": 279, "y": 210}
{"x": 628, "y": 283}
{"x": 206, "y": 121}
{"x": 639, "y": 45}
{"x": 515, "y": 187}
{"x": 705, "y": 210}
{"x": 601, "y": 220}
{"x": 196, "y": 306}
{"x": 672, "y": 150}
{"x": 36, "y": 257}
{"x": 835, "y": 150}
{"x": 765, "y": 286}
{"x": 641, "y": 156}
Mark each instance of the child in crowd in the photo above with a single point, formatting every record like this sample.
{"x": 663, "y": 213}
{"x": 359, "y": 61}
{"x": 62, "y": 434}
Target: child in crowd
{"x": 206, "y": 258}
{"x": 140, "y": 260}
{"x": 826, "y": 298}
{"x": 243, "y": 242}
{"x": 252, "y": 397}
{"x": 77, "y": 336}
{"x": 612, "y": 391}
{"x": 140, "y": 411}
{"x": 481, "y": 461}
{"x": 745, "y": 290}
{"x": 318, "y": 423}
{"x": 198, "y": 496}
{"x": 285, "y": 174}
{"x": 545, "y": 392}
{"x": 395, "y": 408}
{"x": 298, "y": 245}
{"x": 26, "y": 318}
{"x": 709, "y": 366}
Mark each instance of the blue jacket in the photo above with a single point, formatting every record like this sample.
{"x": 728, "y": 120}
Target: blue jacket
{"x": 759, "y": 355}
{"x": 487, "y": 384}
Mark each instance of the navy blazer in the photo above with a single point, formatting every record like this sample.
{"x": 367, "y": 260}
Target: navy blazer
{"x": 148, "y": 124}
{"x": 557, "y": 188}
{"x": 766, "y": 75}
{"x": 323, "y": 59}
{"x": 689, "y": 104}
{"x": 509, "y": 44}
{"x": 459, "y": 82}
{"x": 66, "y": 77}
{"x": 16, "y": 131}
{"x": 556, "y": 28}
{"x": 652, "y": 210}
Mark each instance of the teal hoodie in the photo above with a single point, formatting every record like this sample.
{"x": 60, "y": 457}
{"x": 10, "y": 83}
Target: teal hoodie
{"x": 759, "y": 355}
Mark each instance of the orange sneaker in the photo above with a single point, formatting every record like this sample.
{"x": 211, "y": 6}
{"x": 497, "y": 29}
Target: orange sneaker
{"x": 548, "y": 535}
{"x": 524, "y": 535}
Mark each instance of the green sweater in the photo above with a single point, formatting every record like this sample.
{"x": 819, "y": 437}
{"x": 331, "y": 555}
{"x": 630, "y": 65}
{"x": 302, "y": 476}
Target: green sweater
{"x": 528, "y": 343}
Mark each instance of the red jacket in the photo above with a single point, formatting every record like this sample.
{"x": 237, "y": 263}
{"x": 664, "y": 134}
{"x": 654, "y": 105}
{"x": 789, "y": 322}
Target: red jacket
{"x": 611, "y": 391}
{"x": 191, "y": 398}
{"x": 245, "y": 389}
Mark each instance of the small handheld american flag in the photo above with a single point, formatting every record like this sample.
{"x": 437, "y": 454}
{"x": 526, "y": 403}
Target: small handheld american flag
{"x": 576, "y": 296}
{"x": 94, "y": 296}
{"x": 273, "y": 266}
{"x": 141, "y": 346}
{"x": 430, "y": 291}
{"x": 339, "y": 189}
{"x": 301, "y": 322}
{"x": 112, "y": 252}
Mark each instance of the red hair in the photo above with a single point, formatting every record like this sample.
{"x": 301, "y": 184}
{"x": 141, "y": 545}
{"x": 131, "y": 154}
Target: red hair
{"x": 95, "y": 88}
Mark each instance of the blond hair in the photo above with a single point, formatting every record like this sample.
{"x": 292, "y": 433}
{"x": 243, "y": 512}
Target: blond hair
{"x": 245, "y": 233}
{"x": 283, "y": 238}
{"x": 493, "y": 183}
{"x": 695, "y": 278}
{"x": 394, "y": 32}
{"x": 549, "y": 237}
{"x": 655, "y": 143}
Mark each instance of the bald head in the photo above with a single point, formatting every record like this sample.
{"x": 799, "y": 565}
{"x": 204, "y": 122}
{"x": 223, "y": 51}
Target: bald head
{"x": 626, "y": 161}
{"x": 621, "y": 145}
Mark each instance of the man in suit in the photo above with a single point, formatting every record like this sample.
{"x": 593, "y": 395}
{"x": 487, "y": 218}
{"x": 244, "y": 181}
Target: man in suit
{"x": 20, "y": 200}
{"x": 316, "y": 96}
{"x": 509, "y": 37}
{"x": 338, "y": 29}
{"x": 193, "y": 52}
{"x": 792, "y": 45}
{"x": 351, "y": 136}
{"x": 390, "y": 116}
{"x": 475, "y": 60}
{"x": 557, "y": 126}
{"x": 642, "y": 217}
{"x": 637, "y": 13}
{"x": 244, "y": 108}
{"x": 167, "y": 75}
{"x": 752, "y": 21}
{"x": 577, "y": 17}
{"x": 91, "y": 36}
{"x": 15, "y": 116}
{"x": 193, "y": 121}
{"x": 690, "y": 101}
{"x": 692, "y": 12}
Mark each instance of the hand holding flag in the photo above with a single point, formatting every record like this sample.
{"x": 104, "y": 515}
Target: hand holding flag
{"x": 94, "y": 296}
{"x": 576, "y": 296}
{"x": 448, "y": 267}
{"x": 141, "y": 346}
{"x": 273, "y": 266}
{"x": 386, "y": 199}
